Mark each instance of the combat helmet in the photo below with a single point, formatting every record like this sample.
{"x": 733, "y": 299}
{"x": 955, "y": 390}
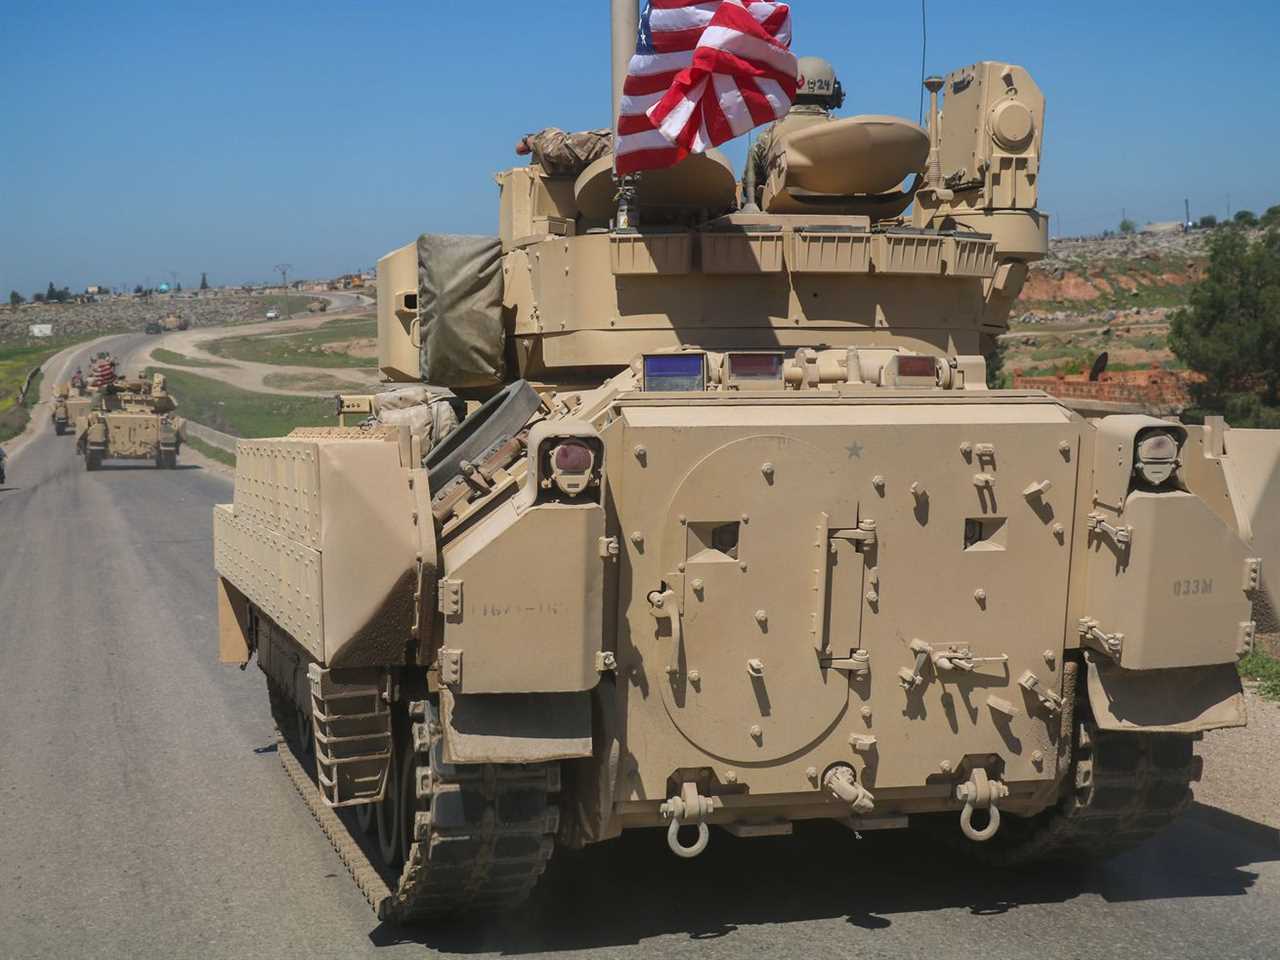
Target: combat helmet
{"x": 818, "y": 83}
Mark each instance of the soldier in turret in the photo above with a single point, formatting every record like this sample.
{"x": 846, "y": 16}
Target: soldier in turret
{"x": 820, "y": 92}
{"x": 562, "y": 154}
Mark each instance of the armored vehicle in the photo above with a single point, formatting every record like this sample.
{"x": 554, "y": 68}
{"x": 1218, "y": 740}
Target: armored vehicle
{"x": 739, "y": 536}
{"x": 71, "y": 400}
{"x": 132, "y": 419}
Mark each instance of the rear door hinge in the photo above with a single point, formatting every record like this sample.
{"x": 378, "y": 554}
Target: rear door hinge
{"x": 449, "y": 601}
{"x": 450, "y": 666}
{"x": 1245, "y": 637}
{"x": 1252, "y": 574}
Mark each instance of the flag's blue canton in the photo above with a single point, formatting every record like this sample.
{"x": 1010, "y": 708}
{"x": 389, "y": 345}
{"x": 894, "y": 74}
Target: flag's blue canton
{"x": 644, "y": 41}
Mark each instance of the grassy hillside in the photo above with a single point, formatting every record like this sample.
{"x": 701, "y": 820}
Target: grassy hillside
{"x": 244, "y": 413}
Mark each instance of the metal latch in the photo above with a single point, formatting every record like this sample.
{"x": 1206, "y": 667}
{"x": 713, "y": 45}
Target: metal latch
{"x": 864, "y": 534}
{"x": 858, "y": 663}
{"x": 606, "y": 662}
{"x": 608, "y": 548}
{"x": 911, "y": 677}
{"x": 962, "y": 659}
{"x": 1048, "y": 699}
{"x": 1109, "y": 643}
{"x": 1097, "y": 523}
{"x": 449, "y": 601}
{"x": 663, "y": 606}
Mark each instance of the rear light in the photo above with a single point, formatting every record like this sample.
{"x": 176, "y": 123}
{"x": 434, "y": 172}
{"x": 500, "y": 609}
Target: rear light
{"x": 753, "y": 368}
{"x": 1155, "y": 456}
{"x": 572, "y": 457}
{"x": 675, "y": 372}
{"x": 572, "y": 465}
{"x": 917, "y": 367}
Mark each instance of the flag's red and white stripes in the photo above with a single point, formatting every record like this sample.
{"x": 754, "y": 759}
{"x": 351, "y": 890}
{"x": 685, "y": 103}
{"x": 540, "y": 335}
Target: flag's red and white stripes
{"x": 703, "y": 73}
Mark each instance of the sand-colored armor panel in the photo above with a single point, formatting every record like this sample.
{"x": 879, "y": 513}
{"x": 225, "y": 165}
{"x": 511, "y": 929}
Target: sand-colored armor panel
{"x": 322, "y": 539}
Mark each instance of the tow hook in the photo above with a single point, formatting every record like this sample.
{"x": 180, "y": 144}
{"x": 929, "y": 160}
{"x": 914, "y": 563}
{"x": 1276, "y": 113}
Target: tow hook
{"x": 980, "y": 793}
{"x": 688, "y": 808}
{"x": 843, "y": 783}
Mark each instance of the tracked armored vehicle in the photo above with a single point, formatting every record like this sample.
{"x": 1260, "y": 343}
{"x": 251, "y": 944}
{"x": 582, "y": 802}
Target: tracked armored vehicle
{"x": 131, "y": 419}
{"x": 739, "y": 536}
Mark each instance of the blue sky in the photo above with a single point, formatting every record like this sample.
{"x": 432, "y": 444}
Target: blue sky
{"x": 141, "y": 138}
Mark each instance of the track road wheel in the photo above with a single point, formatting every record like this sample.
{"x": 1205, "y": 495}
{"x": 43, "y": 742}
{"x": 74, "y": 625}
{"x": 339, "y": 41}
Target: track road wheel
{"x": 1122, "y": 788}
{"x": 388, "y": 815}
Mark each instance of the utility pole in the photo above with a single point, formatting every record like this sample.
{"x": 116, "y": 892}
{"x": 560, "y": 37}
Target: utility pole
{"x": 283, "y": 269}
{"x": 1186, "y": 217}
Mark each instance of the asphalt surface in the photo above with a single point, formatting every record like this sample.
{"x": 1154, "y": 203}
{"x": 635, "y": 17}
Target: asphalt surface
{"x": 145, "y": 813}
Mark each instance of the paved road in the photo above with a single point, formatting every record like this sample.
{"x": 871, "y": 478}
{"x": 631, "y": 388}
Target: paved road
{"x": 146, "y": 816}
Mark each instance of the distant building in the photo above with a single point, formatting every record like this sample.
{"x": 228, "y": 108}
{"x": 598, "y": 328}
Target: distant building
{"x": 1158, "y": 390}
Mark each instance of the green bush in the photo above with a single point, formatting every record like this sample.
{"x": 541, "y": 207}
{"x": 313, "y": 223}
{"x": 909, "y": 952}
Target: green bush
{"x": 1230, "y": 332}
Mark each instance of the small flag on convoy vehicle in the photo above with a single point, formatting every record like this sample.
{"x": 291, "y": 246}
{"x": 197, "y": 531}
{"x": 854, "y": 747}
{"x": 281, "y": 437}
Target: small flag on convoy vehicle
{"x": 703, "y": 73}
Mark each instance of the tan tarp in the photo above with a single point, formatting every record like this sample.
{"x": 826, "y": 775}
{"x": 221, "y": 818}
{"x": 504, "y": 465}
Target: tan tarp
{"x": 460, "y": 303}
{"x": 428, "y": 414}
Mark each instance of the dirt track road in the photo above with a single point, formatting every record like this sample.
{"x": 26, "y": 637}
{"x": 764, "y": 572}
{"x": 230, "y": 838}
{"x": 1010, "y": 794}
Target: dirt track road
{"x": 146, "y": 815}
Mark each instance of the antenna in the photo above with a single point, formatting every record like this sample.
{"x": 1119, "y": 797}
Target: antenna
{"x": 924, "y": 49}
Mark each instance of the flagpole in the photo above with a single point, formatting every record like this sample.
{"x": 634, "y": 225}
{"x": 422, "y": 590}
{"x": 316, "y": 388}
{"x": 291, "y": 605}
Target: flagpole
{"x": 624, "y": 26}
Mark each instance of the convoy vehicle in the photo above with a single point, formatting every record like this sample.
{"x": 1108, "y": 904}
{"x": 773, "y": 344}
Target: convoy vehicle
{"x": 740, "y": 536}
{"x": 132, "y": 419}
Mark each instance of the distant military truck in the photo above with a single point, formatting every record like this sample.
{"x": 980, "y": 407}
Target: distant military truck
{"x": 133, "y": 420}
{"x": 174, "y": 321}
{"x": 317, "y": 306}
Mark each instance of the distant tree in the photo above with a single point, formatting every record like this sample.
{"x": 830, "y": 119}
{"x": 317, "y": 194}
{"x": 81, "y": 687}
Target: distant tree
{"x": 52, "y": 293}
{"x": 177, "y": 288}
{"x": 1127, "y": 226}
{"x": 137, "y": 291}
{"x": 1230, "y": 332}
{"x": 15, "y": 299}
{"x": 1271, "y": 218}
{"x": 204, "y": 281}
{"x": 37, "y": 297}
{"x": 1208, "y": 222}
{"x": 1245, "y": 218}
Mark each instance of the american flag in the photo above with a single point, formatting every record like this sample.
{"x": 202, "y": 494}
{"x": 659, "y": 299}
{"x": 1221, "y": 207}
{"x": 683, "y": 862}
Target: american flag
{"x": 703, "y": 73}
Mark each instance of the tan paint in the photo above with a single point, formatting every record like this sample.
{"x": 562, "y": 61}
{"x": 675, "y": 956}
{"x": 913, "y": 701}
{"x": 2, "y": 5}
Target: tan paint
{"x": 872, "y": 564}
